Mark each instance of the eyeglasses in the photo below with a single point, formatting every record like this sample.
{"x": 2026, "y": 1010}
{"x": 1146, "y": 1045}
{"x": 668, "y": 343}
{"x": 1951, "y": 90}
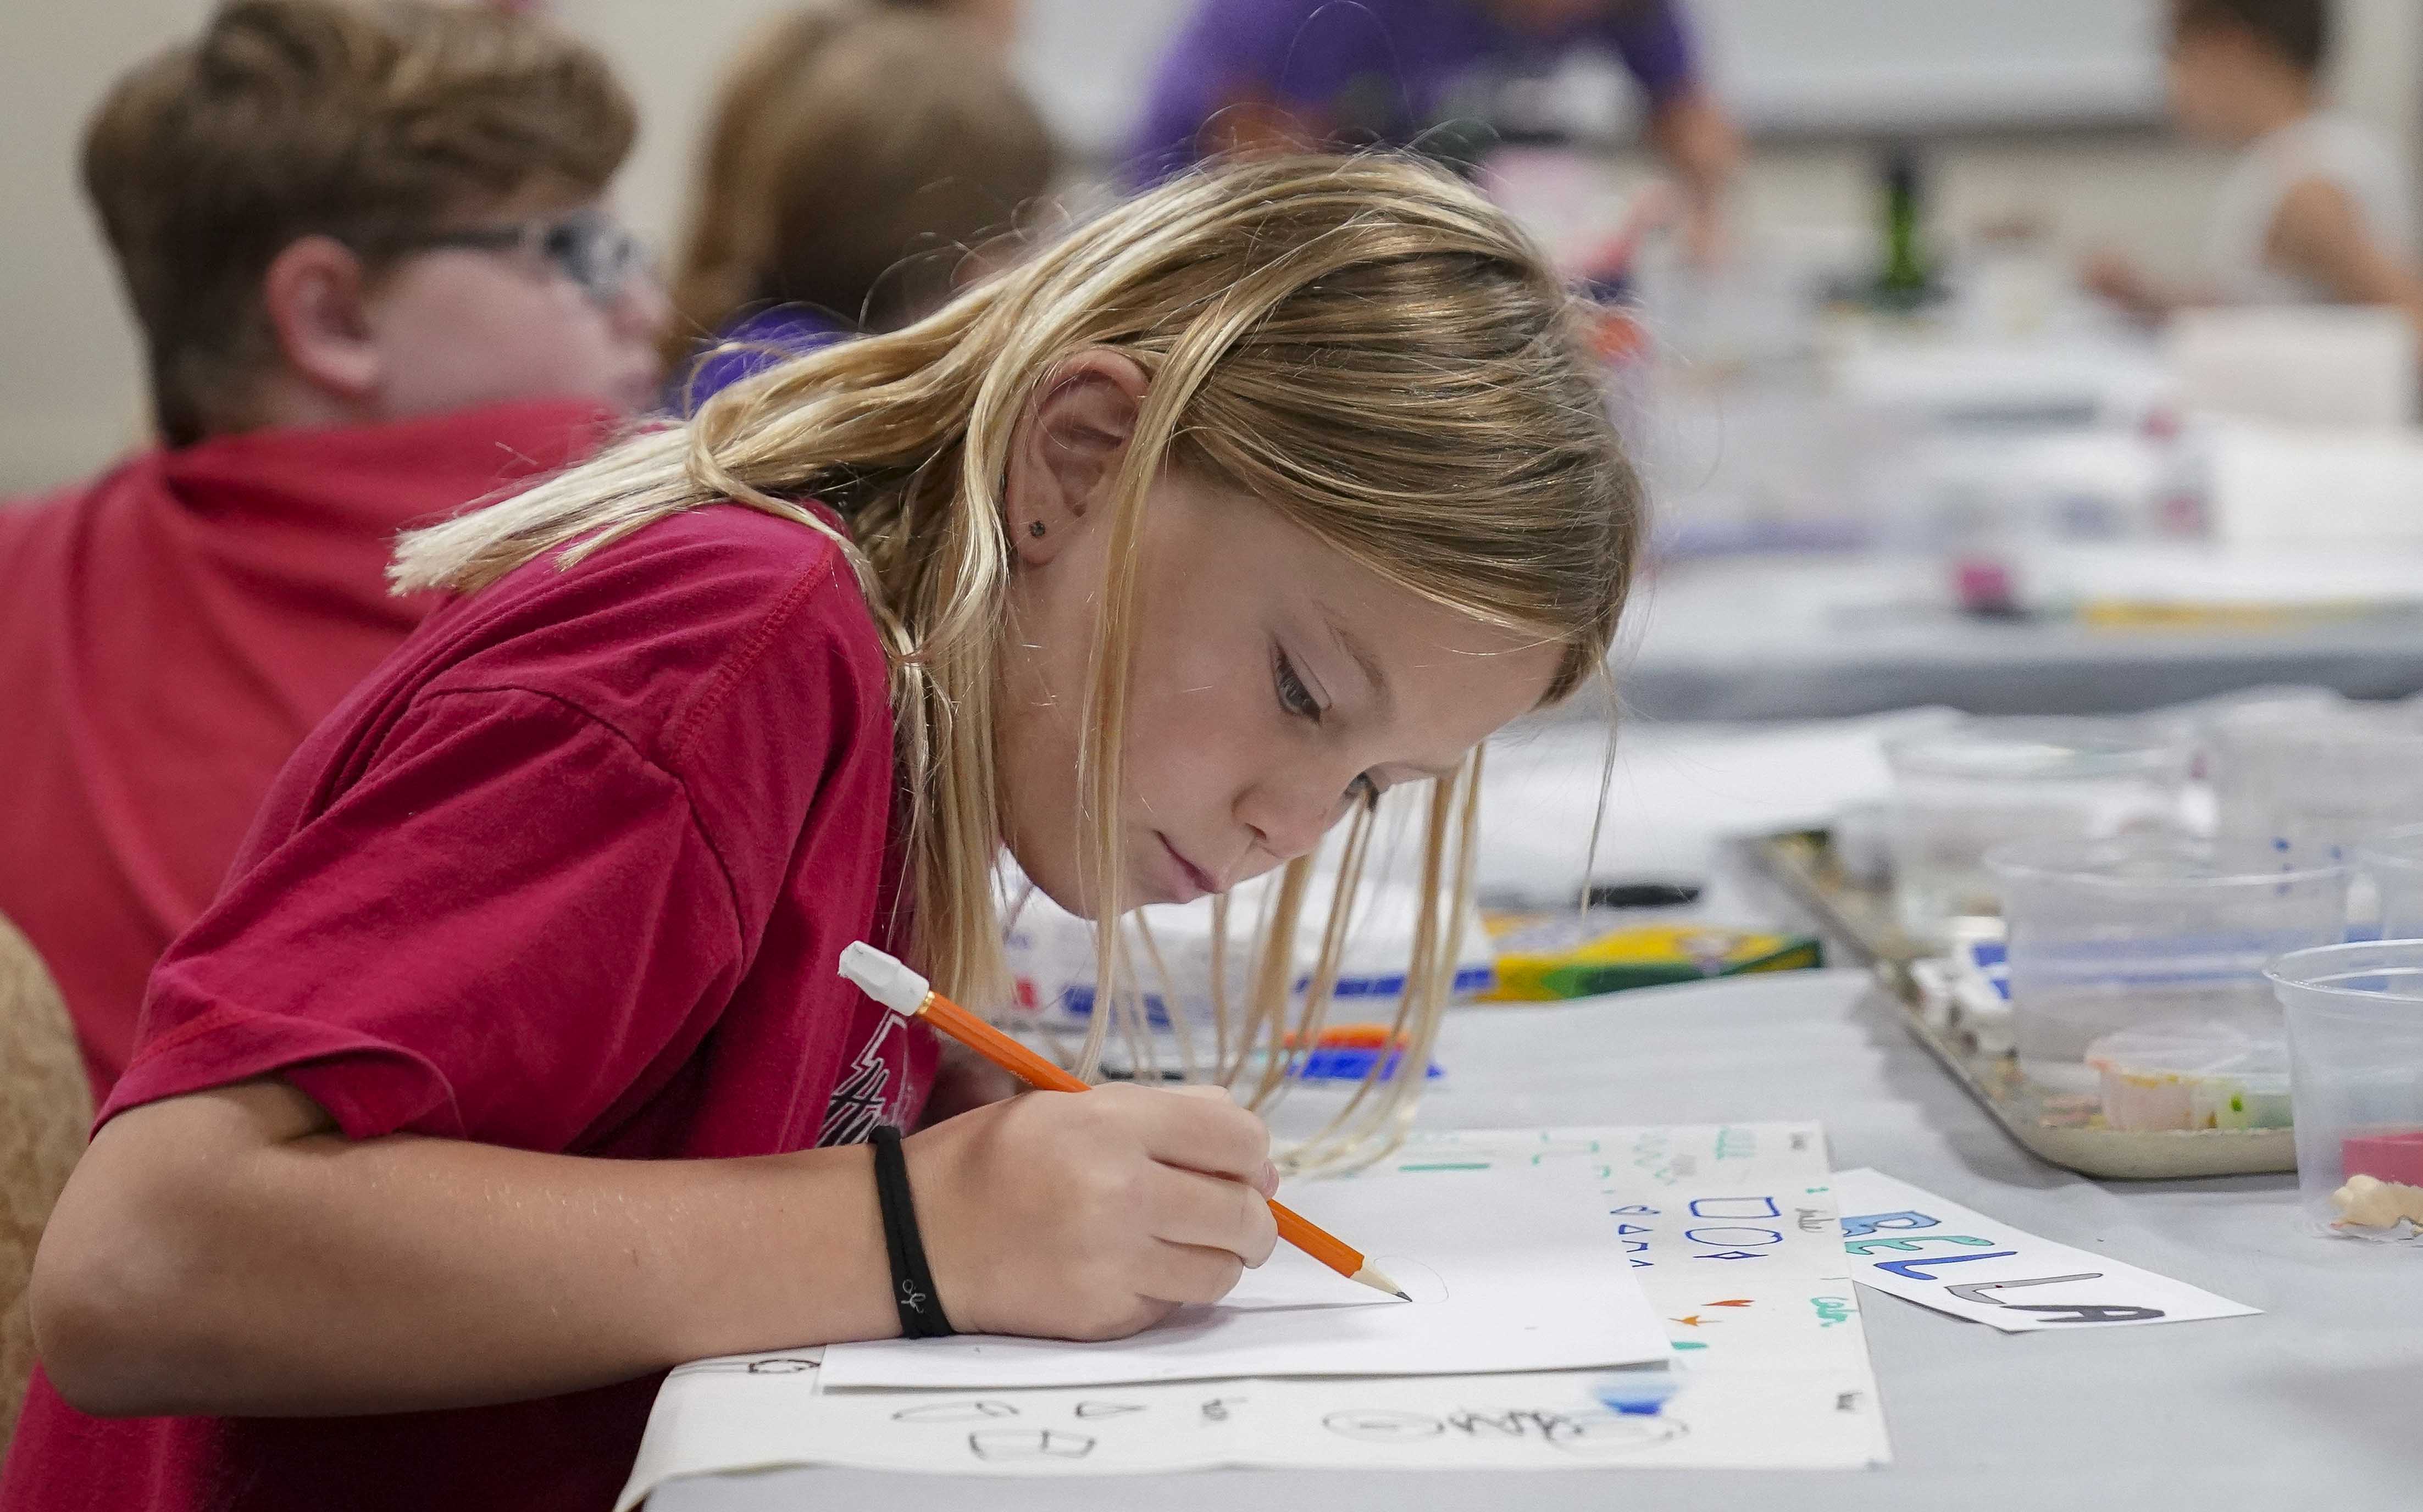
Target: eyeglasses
{"x": 588, "y": 246}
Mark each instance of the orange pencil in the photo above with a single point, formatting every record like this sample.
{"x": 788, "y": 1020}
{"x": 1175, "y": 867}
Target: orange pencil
{"x": 906, "y": 993}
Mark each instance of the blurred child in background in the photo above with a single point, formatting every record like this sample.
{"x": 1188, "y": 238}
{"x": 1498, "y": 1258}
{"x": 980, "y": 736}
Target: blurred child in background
{"x": 995, "y": 21}
{"x": 2316, "y": 209}
{"x": 366, "y": 247}
{"x": 1289, "y": 75}
{"x": 857, "y": 155}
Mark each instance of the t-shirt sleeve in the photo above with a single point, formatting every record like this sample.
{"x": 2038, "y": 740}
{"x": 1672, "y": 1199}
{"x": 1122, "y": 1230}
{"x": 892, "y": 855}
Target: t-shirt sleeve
{"x": 510, "y": 927}
{"x": 1648, "y": 36}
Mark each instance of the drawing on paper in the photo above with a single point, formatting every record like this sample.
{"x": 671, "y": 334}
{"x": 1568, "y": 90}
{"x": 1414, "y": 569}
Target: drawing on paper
{"x": 1612, "y": 1434}
{"x": 1417, "y": 1280}
{"x": 763, "y": 1365}
{"x": 1734, "y": 1233}
{"x": 998, "y": 1445}
{"x": 1591, "y": 1432}
{"x": 955, "y": 1412}
{"x": 1382, "y": 1426}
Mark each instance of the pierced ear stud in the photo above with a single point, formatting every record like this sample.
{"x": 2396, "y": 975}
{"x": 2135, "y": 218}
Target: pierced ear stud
{"x": 1035, "y": 529}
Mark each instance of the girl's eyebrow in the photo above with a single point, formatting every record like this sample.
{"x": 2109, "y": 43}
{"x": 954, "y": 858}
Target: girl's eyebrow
{"x": 1362, "y": 658}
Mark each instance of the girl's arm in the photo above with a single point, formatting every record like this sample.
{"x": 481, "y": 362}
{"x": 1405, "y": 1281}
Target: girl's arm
{"x": 1703, "y": 150}
{"x": 2318, "y": 234}
{"x": 227, "y": 1253}
{"x": 2116, "y": 277}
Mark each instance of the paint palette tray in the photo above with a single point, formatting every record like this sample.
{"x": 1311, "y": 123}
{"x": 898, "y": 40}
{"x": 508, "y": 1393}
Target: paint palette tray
{"x": 1857, "y": 920}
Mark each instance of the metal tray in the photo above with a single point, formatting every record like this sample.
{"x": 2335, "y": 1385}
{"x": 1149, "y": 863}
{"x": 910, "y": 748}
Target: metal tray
{"x": 1857, "y": 923}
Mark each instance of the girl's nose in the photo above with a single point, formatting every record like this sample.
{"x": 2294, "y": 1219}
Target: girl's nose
{"x": 1289, "y": 824}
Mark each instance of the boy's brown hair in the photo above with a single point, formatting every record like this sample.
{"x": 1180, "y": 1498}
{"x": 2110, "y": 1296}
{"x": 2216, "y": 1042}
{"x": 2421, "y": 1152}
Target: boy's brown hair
{"x": 856, "y": 152}
{"x": 368, "y": 121}
{"x": 2298, "y": 30}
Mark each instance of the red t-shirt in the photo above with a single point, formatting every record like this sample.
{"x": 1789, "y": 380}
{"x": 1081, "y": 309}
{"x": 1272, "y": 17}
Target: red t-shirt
{"x": 168, "y": 634}
{"x": 569, "y": 873}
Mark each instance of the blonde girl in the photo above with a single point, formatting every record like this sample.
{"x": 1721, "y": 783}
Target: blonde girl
{"x": 512, "y": 1066}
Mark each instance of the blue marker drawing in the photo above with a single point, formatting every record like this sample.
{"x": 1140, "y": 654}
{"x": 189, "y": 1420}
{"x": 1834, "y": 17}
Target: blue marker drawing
{"x": 1642, "y": 1395}
{"x": 1909, "y": 1269}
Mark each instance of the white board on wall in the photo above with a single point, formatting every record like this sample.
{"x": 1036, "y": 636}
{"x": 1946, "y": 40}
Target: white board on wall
{"x": 1782, "y": 65}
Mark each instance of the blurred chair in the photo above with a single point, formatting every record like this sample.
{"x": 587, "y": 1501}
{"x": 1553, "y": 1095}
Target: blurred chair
{"x": 46, "y": 1107}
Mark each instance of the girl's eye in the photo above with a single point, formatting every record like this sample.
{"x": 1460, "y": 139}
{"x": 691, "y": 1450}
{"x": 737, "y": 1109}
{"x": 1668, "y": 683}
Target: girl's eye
{"x": 1293, "y": 696}
{"x": 1297, "y": 700}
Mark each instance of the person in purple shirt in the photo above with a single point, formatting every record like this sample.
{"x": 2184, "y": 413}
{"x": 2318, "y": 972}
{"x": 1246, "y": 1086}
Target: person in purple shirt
{"x": 1246, "y": 76}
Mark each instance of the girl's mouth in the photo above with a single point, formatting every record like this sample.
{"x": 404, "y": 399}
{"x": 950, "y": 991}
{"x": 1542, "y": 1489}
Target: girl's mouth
{"x": 1201, "y": 883}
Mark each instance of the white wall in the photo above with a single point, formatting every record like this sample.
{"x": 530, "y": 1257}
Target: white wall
{"x": 71, "y": 379}
{"x": 70, "y": 387}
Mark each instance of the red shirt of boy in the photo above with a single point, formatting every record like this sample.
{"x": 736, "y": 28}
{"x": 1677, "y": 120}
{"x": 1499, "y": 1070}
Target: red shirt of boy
{"x": 168, "y": 634}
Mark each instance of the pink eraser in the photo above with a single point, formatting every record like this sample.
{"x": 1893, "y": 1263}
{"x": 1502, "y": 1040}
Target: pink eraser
{"x": 2397, "y": 1156}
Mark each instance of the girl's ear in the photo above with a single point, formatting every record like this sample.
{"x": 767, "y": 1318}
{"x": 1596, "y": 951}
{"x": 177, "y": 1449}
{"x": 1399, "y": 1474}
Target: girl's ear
{"x": 1066, "y": 448}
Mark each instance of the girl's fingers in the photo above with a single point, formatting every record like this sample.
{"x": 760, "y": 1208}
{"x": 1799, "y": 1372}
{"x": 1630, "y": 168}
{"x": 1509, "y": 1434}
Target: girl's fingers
{"x": 1211, "y": 1212}
{"x": 1190, "y": 1273}
{"x": 1203, "y": 1130}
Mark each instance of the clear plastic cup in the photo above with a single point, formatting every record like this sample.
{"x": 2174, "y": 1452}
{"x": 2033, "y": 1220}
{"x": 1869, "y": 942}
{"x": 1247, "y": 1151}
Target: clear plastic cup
{"x": 2391, "y": 865}
{"x": 2356, "y": 1069}
{"x": 2163, "y": 935}
{"x": 1960, "y": 791}
{"x": 2316, "y": 779}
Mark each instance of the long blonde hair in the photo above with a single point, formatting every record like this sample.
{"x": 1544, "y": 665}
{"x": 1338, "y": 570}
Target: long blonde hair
{"x": 1364, "y": 344}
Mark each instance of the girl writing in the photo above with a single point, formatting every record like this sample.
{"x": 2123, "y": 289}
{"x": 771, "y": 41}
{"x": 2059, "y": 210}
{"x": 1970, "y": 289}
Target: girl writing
{"x": 511, "y": 1067}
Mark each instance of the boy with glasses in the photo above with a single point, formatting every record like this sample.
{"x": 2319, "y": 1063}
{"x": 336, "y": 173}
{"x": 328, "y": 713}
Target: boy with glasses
{"x": 365, "y": 245}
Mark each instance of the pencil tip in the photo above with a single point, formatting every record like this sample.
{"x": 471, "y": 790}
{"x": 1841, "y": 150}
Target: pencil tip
{"x": 1380, "y": 1281}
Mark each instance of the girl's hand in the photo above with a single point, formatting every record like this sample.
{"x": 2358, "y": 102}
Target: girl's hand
{"x": 2111, "y": 275}
{"x": 964, "y": 1081}
{"x": 1090, "y": 1216}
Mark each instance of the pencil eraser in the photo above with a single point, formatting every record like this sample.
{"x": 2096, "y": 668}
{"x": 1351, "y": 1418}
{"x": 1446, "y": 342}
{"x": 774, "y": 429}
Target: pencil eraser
{"x": 882, "y": 978}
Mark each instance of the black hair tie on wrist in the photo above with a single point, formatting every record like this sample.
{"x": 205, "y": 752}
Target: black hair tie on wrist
{"x": 913, "y": 1284}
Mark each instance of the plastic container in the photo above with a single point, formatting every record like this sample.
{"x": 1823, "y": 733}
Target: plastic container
{"x": 2198, "y": 1078}
{"x": 2317, "y": 779}
{"x": 2160, "y": 935}
{"x": 2354, "y": 1014}
{"x": 2390, "y": 865}
{"x": 1963, "y": 790}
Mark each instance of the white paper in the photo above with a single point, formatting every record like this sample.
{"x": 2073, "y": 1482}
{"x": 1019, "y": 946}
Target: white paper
{"x": 1940, "y": 1254}
{"x": 1562, "y": 1420}
{"x": 1728, "y": 1230}
{"x": 1512, "y": 1268}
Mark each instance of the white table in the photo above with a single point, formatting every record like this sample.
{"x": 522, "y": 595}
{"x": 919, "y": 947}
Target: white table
{"x": 2313, "y": 1405}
